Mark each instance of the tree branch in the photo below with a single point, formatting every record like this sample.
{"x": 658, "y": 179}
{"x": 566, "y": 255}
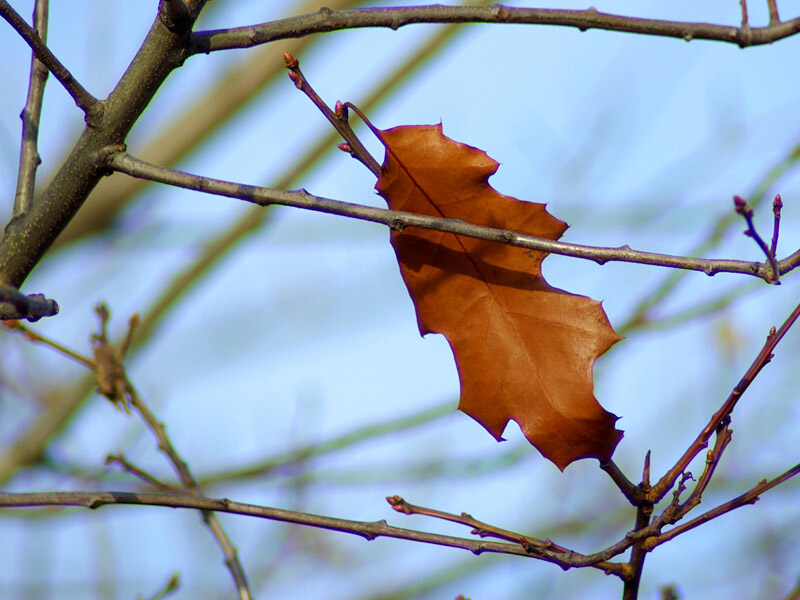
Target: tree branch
{"x": 29, "y": 159}
{"x": 328, "y": 20}
{"x": 85, "y": 101}
{"x": 29, "y": 236}
{"x": 367, "y": 530}
{"x": 764, "y": 356}
{"x": 134, "y": 167}
{"x": 749, "y": 497}
{"x": 543, "y": 549}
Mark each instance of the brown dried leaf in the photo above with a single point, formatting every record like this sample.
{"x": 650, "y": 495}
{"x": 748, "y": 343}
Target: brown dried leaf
{"x": 524, "y": 350}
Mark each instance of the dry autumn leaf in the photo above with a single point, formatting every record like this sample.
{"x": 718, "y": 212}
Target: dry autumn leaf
{"x": 524, "y": 350}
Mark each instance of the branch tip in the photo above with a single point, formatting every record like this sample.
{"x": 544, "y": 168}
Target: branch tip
{"x": 290, "y": 61}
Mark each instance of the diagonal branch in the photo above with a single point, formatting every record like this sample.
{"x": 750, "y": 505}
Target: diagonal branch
{"x": 134, "y": 167}
{"x": 764, "y": 356}
{"x": 29, "y": 236}
{"x": 85, "y": 101}
{"x": 749, "y": 497}
{"x": 329, "y": 20}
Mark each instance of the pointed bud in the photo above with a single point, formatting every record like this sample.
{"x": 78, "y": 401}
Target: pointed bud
{"x": 290, "y": 61}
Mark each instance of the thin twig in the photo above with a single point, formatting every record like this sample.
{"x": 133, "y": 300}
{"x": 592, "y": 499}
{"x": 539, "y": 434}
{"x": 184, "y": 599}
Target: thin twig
{"x": 329, "y": 20}
{"x": 747, "y": 213}
{"x": 134, "y": 167}
{"x": 639, "y": 314}
{"x": 764, "y": 356}
{"x": 36, "y": 338}
{"x": 629, "y": 489}
{"x": 103, "y": 350}
{"x": 774, "y": 17}
{"x": 29, "y": 159}
{"x": 291, "y": 458}
{"x": 777, "y": 205}
{"x": 149, "y": 479}
{"x": 171, "y": 586}
{"x": 337, "y": 119}
{"x": 113, "y": 383}
{"x": 544, "y": 549}
{"x": 745, "y": 18}
{"x": 83, "y": 99}
{"x": 750, "y": 497}
{"x": 367, "y": 530}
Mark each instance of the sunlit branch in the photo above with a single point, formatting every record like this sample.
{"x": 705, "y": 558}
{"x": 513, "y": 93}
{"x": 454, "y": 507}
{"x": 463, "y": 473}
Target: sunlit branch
{"x": 329, "y": 20}
{"x": 749, "y": 497}
{"x": 397, "y": 220}
{"x": 367, "y": 530}
{"x": 83, "y": 98}
{"x": 701, "y": 442}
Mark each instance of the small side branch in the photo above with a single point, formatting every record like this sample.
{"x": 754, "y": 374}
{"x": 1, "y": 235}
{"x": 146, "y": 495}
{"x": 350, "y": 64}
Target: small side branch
{"x": 774, "y": 17}
{"x": 749, "y": 497}
{"x": 777, "y": 205}
{"x": 135, "y": 167}
{"x": 630, "y": 490}
{"x": 747, "y": 213}
{"x": 544, "y": 549}
{"x": 85, "y": 101}
{"x": 338, "y": 119}
{"x": 721, "y": 417}
{"x": 16, "y": 305}
{"x": 29, "y": 159}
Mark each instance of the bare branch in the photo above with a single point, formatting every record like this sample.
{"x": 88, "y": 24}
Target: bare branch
{"x": 747, "y": 213}
{"x": 777, "y": 205}
{"x": 337, "y": 119}
{"x": 774, "y": 17}
{"x": 85, "y": 101}
{"x": 764, "y": 356}
{"x": 109, "y": 360}
{"x": 543, "y": 549}
{"x": 394, "y": 18}
{"x": 29, "y": 236}
{"x": 134, "y": 167}
{"x": 29, "y": 159}
{"x": 750, "y": 497}
{"x": 630, "y": 490}
{"x": 367, "y": 530}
